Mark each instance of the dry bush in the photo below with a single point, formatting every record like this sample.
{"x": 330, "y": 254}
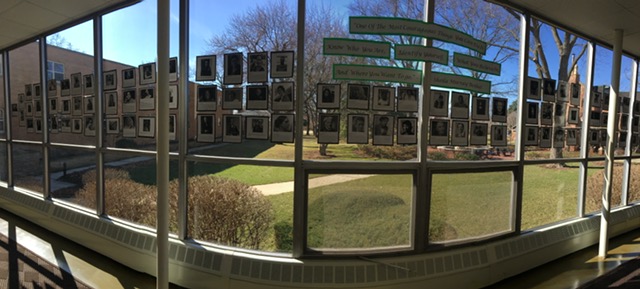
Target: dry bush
{"x": 400, "y": 153}
{"x": 595, "y": 186}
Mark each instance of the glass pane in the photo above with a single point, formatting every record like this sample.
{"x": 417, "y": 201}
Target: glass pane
{"x": 73, "y": 176}
{"x": 28, "y": 167}
{"x": 5, "y": 111}
{"x": 26, "y": 92}
{"x": 359, "y": 212}
{"x": 241, "y": 205}
{"x": 465, "y": 206}
{"x": 634, "y": 182}
{"x": 550, "y": 194}
{"x": 4, "y": 168}
{"x": 595, "y": 185}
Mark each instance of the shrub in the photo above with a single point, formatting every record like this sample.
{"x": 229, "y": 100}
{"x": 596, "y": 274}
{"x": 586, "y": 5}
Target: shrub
{"x": 466, "y": 157}
{"x": 595, "y": 186}
{"x": 437, "y": 156}
{"x": 283, "y": 236}
{"x": 400, "y": 153}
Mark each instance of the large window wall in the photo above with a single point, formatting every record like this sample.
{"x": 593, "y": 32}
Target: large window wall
{"x": 270, "y": 151}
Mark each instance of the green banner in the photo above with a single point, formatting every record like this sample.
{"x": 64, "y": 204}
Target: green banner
{"x": 376, "y": 73}
{"x": 355, "y": 47}
{"x": 421, "y": 53}
{"x": 477, "y": 64}
{"x": 460, "y": 82}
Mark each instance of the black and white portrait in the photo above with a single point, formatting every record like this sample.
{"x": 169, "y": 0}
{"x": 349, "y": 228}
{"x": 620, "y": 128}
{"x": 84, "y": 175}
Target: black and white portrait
{"x": 574, "y": 117}
{"x": 478, "y": 133}
{"x": 113, "y": 125}
{"x": 574, "y": 93}
{"x": 257, "y": 67}
{"x": 128, "y": 77}
{"x": 460, "y": 105}
{"x": 460, "y": 133}
{"x": 549, "y": 90}
{"x": 328, "y": 128}
{"x": 406, "y": 130}
{"x": 546, "y": 113}
{"x": 545, "y": 137}
{"x": 383, "y": 129}
{"x": 572, "y": 137}
{"x": 532, "y": 112}
{"x": 146, "y": 98}
{"x": 439, "y": 132}
{"x": 76, "y": 125}
{"x": 282, "y": 64}
{"x": 206, "y": 68}
{"x": 110, "y": 80}
{"x": 358, "y": 128}
{"x": 206, "y": 128}
{"x": 172, "y": 127}
{"x": 89, "y": 104}
{"x": 233, "y": 68}
{"x": 129, "y": 126}
{"x": 129, "y": 101}
{"x": 110, "y": 102}
{"x": 257, "y": 127}
{"x": 439, "y": 103}
{"x": 558, "y": 137}
{"x": 408, "y": 99}
{"x": 173, "y": 96}
{"x": 173, "y": 69}
{"x": 358, "y": 96}
{"x": 88, "y": 84}
{"x": 383, "y": 98}
{"x": 147, "y": 73}
{"x": 146, "y": 126}
{"x": 533, "y": 88}
{"x": 232, "y": 128}
{"x": 480, "y": 108}
{"x": 232, "y": 98}
{"x": 282, "y": 128}
{"x": 207, "y": 100}
{"x": 282, "y": 96}
{"x": 76, "y": 102}
{"x": 52, "y": 87}
{"x": 65, "y": 87}
{"x": 257, "y": 96}
{"x": 498, "y": 135}
{"x": 328, "y": 95}
{"x": 89, "y": 126}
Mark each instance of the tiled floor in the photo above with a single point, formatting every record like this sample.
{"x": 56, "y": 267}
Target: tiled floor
{"x": 98, "y": 271}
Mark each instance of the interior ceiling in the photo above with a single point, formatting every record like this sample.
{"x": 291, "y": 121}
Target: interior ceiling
{"x": 21, "y": 20}
{"x": 597, "y": 19}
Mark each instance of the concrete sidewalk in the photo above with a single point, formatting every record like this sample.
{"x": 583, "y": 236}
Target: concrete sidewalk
{"x": 279, "y": 188}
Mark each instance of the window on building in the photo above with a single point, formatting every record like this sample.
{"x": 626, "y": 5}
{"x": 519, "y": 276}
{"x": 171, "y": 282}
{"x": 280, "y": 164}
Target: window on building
{"x": 55, "y": 70}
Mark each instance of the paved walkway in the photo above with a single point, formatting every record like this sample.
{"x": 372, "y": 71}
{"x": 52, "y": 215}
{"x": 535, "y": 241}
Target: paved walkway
{"x": 279, "y": 188}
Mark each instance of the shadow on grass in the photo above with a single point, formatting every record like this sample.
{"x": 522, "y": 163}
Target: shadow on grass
{"x": 145, "y": 172}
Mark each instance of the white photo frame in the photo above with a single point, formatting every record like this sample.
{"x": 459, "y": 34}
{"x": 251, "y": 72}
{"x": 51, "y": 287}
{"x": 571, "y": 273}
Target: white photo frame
{"x": 257, "y": 127}
{"x": 206, "y": 68}
{"x": 574, "y": 93}
{"x": 146, "y": 126}
{"x": 89, "y": 126}
{"x": 111, "y": 102}
{"x": 173, "y": 96}
{"x": 328, "y": 96}
{"x": 65, "y": 124}
{"x": 406, "y": 129}
{"x": 533, "y": 88}
{"x": 460, "y": 105}
{"x": 65, "y": 87}
{"x": 383, "y": 98}
{"x": 358, "y": 129}
{"x": 52, "y": 87}
{"x": 37, "y": 92}
{"x": 206, "y": 128}
{"x": 460, "y": 133}
{"x": 594, "y": 118}
{"x": 498, "y": 135}
{"x": 257, "y": 97}
{"x": 76, "y": 125}
{"x": 38, "y": 124}
{"x": 532, "y": 112}
{"x": 233, "y": 68}
{"x": 282, "y": 127}
{"x": 53, "y": 105}
{"x": 439, "y": 103}
{"x": 110, "y": 80}
{"x": 439, "y": 132}
{"x": 328, "y": 128}
{"x": 282, "y": 64}
{"x": 129, "y": 102}
{"x": 129, "y": 77}
{"x": 147, "y": 73}
{"x": 173, "y": 69}
{"x": 172, "y": 127}
{"x": 87, "y": 84}
{"x": 257, "y": 70}
{"x": 546, "y": 113}
{"x": 282, "y": 96}
{"x": 207, "y": 98}
{"x": 28, "y": 108}
{"x": 478, "y": 132}
{"x": 232, "y": 98}
{"x": 76, "y": 105}
{"x": 37, "y": 107}
{"x": 53, "y": 124}
{"x": 499, "y": 109}
{"x": 89, "y": 105}
{"x": 407, "y": 99}
{"x": 545, "y": 137}
{"x": 113, "y": 125}
{"x": 480, "y": 108}
{"x": 358, "y": 96}
{"x": 531, "y": 133}
{"x": 129, "y": 124}
{"x": 232, "y": 128}
{"x": 147, "y": 98}
{"x": 549, "y": 90}
{"x": 383, "y": 129}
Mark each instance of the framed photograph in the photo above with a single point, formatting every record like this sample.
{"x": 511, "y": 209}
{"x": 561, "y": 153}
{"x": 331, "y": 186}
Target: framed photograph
{"x": 172, "y": 127}
{"x": 88, "y": 85}
{"x": 282, "y": 128}
{"x": 546, "y": 113}
{"x": 383, "y": 129}
{"x": 129, "y": 77}
{"x": 545, "y": 137}
{"x": 28, "y": 90}
{"x": 574, "y": 115}
{"x": 408, "y": 99}
{"x": 358, "y": 96}
{"x": 574, "y": 93}
{"x": 407, "y": 130}
{"x": 532, "y": 135}
{"x": 173, "y": 96}
{"x": 596, "y": 99}
{"x": 147, "y": 73}
{"x": 38, "y": 125}
{"x": 594, "y": 118}
{"x": 232, "y": 98}
{"x": 129, "y": 103}
{"x": 111, "y": 102}
{"x": 532, "y": 112}
{"x": 76, "y": 108}
{"x": 328, "y": 95}
{"x": 498, "y": 135}
{"x": 207, "y": 100}
{"x": 147, "y": 98}
{"x": 499, "y": 109}
{"x": 76, "y": 125}
{"x": 479, "y": 133}
{"x": 233, "y": 68}
{"x": 173, "y": 69}
{"x": 460, "y": 133}
{"x": 460, "y": 105}
{"x": 129, "y": 126}
{"x": 113, "y": 125}
{"x": 89, "y": 105}
{"x": 594, "y": 137}
{"x": 480, "y": 108}
{"x": 76, "y": 83}
{"x": 30, "y": 125}
{"x": 533, "y": 88}
{"x": 146, "y": 126}
{"x": 37, "y": 107}
{"x": 282, "y": 64}
{"x": 206, "y": 128}
{"x": 623, "y": 123}
{"x": 257, "y": 67}
{"x": 14, "y": 109}
{"x": 231, "y": 128}
{"x": 282, "y": 96}
{"x": 558, "y": 137}
{"x": 65, "y": 87}
{"x": 89, "y": 126}
{"x": 110, "y": 80}
{"x": 206, "y": 68}
{"x": 53, "y": 105}
{"x": 358, "y": 129}
{"x": 21, "y": 98}
{"x": 329, "y": 128}
{"x": 257, "y": 127}
{"x": 439, "y": 132}
{"x": 549, "y": 90}
{"x": 257, "y": 96}
{"x": 439, "y": 103}
{"x": 36, "y": 90}
{"x": 65, "y": 124}
{"x": 560, "y": 112}
{"x": 54, "y": 126}
{"x": 383, "y": 98}
{"x": 52, "y": 87}
{"x": 28, "y": 108}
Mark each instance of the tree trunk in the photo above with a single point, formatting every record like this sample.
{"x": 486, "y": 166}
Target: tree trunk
{"x": 323, "y": 149}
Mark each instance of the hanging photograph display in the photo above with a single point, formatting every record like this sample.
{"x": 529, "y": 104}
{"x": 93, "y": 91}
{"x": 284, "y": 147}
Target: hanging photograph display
{"x": 89, "y": 105}
{"x": 498, "y": 135}
{"x": 328, "y": 95}
{"x": 480, "y": 108}
{"x": 545, "y": 137}
{"x": 282, "y": 96}
{"x": 76, "y": 105}
{"x": 460, "y": 105}
{"x": 549, "y": 90}
{"x": 206, "y": 68}
{"x": 257, "y": 96}
{"x": 172, "y": 127}
{"x": 129, "y": 103}
{"x": 113, "y": 125}
{"x": 233, "y": 68}
{"x": 173, "y": 96}
{"x": 257, "y": 127}
{"x": 478, "y": 133}
{"x": 173, "y": 69}
{"x": 147, "y": 98}
{"x": 407, "y": 99}
{"x": 383, "y": 98}
{"x": 110, "y": 81}
{"x": 52, "y": 87}
{"x": 546, "y": 113}
{"x": 282, "y": 128}
{"x": 129, "y": 126}
{"x": 358, "y": 129}
{"x": 407, "y": 131}
{"x": 257, "y": 67}
{"x": 439, "y": 104}
{"x": 329, "y": 128}
{"x": 282, "y": 64}
{"x": 146, "y": 126}
{"x": 231, "y": 128}
{"x": 128, "y": 77}
{"x": 110, "y": 102}
{"x": 533, "y": 88}
{"x": 358, "y": 96}
{"x": 207, "y": 98}
{"x": 532, "y": 112}
{"x": 76, "y": 125}
{"x": 65, "y": 87}
{"x": 206, "y": 128}
{"x": 232, "y": 98}
{"x": 383, "y": 129}
{"x": 87, "y": 84}
{"x": 558, "y": 137}
{"x": 499, "y": 109}
{"x": 76, "y": 83}
{"x": 439, "y": 132}
{"x": 460, "y": 133}
{"x": 147, "y": 73}
{"x": 89, "y": 126}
